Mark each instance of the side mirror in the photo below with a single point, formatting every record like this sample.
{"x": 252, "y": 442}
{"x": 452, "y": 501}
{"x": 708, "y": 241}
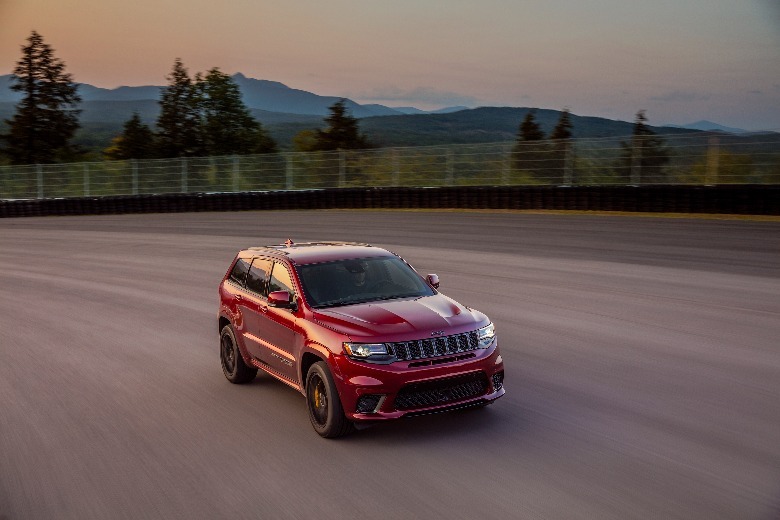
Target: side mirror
{"x": 433, "y": 280}
{"x": 280, "y": 299}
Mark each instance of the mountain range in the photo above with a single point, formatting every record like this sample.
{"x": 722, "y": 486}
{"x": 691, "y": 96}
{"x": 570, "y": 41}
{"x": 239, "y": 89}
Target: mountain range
{"x": 285, "y": 111}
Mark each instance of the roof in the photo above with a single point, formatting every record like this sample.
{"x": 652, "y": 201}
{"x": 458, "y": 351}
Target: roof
{"x": 316, "y": 252}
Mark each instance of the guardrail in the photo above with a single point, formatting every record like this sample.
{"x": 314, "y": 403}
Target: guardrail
{"x": 735, "y": 199}
{"x": 688, "y": 159}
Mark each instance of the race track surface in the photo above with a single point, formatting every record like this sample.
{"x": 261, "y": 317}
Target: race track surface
{"x": 642, "y": 373}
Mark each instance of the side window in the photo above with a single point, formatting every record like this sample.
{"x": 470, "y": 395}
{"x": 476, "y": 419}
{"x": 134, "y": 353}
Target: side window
{"x": 280, "y": 279}
{"x": 238, "y": 274}
{"x": 257, "y": 279}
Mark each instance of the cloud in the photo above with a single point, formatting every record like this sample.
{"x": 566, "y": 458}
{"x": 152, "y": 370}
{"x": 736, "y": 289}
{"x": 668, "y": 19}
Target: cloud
{"x": 419, "y": 95}
{"x": 681, "y": 95}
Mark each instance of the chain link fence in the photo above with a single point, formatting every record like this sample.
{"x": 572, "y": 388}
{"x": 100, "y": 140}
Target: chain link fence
{"x": 689, "y": 159}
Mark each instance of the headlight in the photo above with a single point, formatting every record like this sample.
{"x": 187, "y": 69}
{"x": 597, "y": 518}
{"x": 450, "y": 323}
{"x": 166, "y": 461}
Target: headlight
{"x": 364, "y": 350}
{"x": 485, "y": 336}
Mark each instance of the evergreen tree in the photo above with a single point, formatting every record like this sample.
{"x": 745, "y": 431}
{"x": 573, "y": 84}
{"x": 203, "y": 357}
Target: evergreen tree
{"x": 342, "y": 132}
{"x": 179, "y": 125}
{"x": 46, "y": 118}
{"x": 560, "y": 148}
{"x": 530, "y": 129}
{"x": 643, "y": 159}
{"x": 563, "y": 128}
{"x": 228, "y": 127}
{"x": 135, "y": 142}
{"x": 530, "y": 152}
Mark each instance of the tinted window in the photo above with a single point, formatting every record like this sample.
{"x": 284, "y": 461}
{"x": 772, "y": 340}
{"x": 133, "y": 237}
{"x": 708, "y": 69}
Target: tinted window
{"x": 257, "y": 279}
{"x": 238, "y": 274}
{"x": 280, "y": 279}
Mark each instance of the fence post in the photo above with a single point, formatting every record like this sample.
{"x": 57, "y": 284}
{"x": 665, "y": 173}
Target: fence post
{"x": 342, "y": 168}
{"x": 396, "y": 167}
{"x": 288, "y": 170}
{"x": 236, "y": 179}
{"x": 86, "y": 180}
{"x": 450, "y": 168}
{"x": 39, "y": 171}
{"x": 636, "y": 161}
{"x": 567, "y": 163}
{"x": 184, "y": 175}
{"x": 134, "y": 163}
{"x": 713, "y": 156}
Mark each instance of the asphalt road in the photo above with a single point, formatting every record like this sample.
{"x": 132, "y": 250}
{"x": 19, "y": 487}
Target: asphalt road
{"x": 642, "y": 373}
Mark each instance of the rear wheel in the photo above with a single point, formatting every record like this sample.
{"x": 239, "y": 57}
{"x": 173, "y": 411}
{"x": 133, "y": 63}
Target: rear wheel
{"x": 233, "y": 366}
{"x": 322, "y": 400}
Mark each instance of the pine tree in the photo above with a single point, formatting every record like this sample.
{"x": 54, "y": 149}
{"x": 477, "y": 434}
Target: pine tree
{"x": 135, "y": 142}
{"x": 560, "y": 149}
{"x": 228, "y": 127}
{"x": 530, "y": 129}
{"x": 342, "y": 132}
{"x": 530, "y": 152}
{"x": 178, "y": 125}
{"x": 643, "y": 159}
{"x": 563, "y": 128}
{"x": 46, "y": 118}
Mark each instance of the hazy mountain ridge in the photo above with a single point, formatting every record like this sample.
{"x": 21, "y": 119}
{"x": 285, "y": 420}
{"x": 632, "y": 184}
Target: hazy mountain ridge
{"x": 709, "y": 126}
{"x": 285, "y": 111}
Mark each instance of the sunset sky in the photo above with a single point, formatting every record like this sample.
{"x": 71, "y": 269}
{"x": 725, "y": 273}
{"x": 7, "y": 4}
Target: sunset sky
{"x": 681, "y": 60}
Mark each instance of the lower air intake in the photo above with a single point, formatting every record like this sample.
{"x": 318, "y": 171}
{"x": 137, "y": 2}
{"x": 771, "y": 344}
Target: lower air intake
{"x": 368, "y": 403}
{"x": 441, "y": 391}
{"x": 498, "y": 381}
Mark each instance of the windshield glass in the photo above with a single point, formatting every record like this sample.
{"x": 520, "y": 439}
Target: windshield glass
{"x": 345, "y": 282}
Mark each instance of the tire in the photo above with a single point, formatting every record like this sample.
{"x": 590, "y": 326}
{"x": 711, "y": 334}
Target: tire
{"x": 233, "y": 366}
{"x": 322, "y": 400}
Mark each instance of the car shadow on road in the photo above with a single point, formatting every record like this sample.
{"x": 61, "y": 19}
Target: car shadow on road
{"x": 458, "y": 426}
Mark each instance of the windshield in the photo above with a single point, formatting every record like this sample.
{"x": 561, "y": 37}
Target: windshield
{"x": 345, "y": 282}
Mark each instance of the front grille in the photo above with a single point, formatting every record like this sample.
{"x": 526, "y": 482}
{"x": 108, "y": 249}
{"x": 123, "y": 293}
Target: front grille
{"x": 441, "y": 391}
{"x": 428, "y": 348}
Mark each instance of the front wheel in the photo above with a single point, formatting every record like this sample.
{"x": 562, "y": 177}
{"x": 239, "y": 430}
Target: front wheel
{"x": 233, "y": 366}
{"x": 322, "y": 400}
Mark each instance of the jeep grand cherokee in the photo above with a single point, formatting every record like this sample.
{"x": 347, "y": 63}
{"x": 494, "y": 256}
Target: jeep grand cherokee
{"x": 357, "y": 331}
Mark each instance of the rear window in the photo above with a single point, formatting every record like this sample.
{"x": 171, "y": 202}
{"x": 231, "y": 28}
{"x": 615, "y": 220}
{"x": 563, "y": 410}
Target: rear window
{"x": 238, "y": 274}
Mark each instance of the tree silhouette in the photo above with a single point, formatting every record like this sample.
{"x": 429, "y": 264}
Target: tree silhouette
{"x": 46, "y": 118}
{"x": 530, "y": 152}
{"x": 135, "y": 142}
{"x": 228, "y": 127}
{"x": 642, "y": 160}
{"x": 178, "y": 125}
{"x": 342, "y": 132}
{"x": 560, "y": 148}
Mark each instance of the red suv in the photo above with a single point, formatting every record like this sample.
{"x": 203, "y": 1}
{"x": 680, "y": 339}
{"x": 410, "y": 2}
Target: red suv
{"x": 356, "y": 330}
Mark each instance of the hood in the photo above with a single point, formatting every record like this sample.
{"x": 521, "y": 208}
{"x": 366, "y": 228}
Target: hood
{"x": 399, "y": 320}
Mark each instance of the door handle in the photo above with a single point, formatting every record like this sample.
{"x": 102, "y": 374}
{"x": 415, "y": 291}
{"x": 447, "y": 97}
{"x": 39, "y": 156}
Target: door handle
{"x": 263, "y": 308}
{"x": 239, "y": 297}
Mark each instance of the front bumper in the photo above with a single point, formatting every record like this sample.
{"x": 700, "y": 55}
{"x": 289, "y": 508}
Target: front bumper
{"x": 373, "y": 392}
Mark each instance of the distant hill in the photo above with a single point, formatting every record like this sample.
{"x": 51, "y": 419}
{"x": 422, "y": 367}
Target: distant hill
{"x": 485, "y": 125}
{"x": 709, "y": 126}
{"x": 271, "y": 96}
{"x": 285, "y": 111}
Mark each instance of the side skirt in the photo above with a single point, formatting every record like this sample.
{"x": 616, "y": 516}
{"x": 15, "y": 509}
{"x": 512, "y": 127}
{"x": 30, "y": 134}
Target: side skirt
{"x": 268, "y": 370}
